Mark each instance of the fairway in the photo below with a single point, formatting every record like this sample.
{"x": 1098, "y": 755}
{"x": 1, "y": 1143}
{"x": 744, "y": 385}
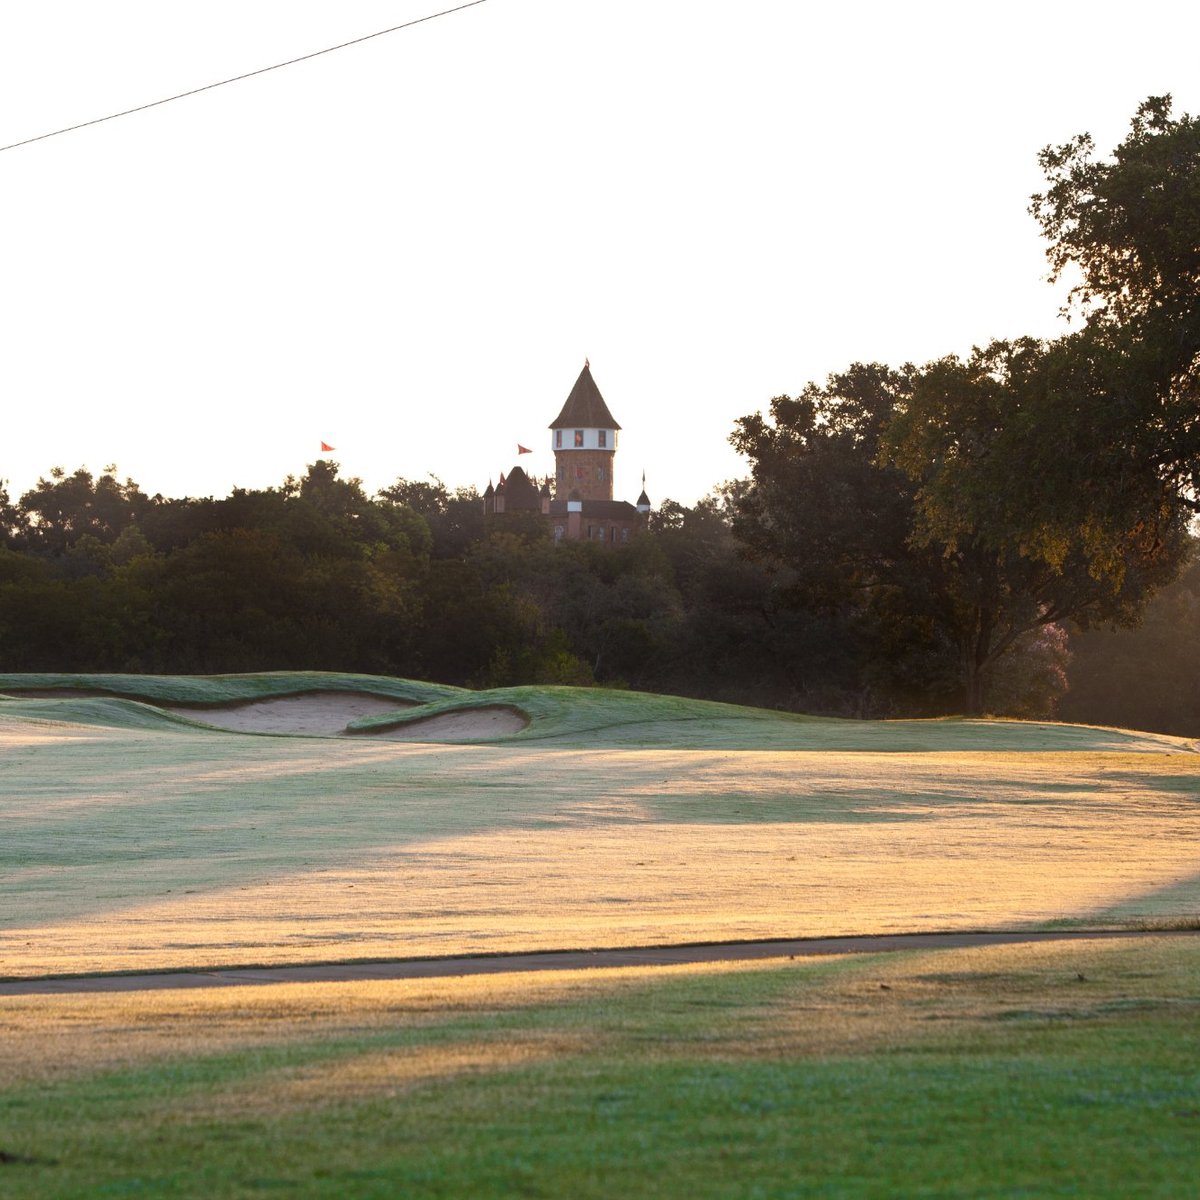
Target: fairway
{"x": 156, "y": 823}
{"x": 137, "y": 838}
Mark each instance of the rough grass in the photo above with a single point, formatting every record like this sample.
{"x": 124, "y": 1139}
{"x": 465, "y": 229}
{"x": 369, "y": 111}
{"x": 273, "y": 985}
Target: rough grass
{"x": 1018, "y": 1070}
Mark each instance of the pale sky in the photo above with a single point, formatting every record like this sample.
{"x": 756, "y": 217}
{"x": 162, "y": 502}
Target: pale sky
{"x": 407, "y": 248}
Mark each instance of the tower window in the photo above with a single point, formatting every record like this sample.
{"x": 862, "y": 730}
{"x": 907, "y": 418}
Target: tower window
{"x": 558, "y": 439}
{"x": 603, "y": 438}
{"x": 579, "y": 437}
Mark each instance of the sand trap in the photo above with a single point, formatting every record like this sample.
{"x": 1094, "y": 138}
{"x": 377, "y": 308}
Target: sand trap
{"x": 310, "y": 713}
{"x": 466, "y": 725}
{"x": 328, "y": 713}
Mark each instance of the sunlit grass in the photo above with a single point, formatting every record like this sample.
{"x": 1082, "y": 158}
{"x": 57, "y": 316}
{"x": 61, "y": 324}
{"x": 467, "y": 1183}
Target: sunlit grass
{"x": 962, "y": 1072}
{"x": 801, "y": 1006}
{"x": 134, "y": 842}
{"x": 138, "y": 849}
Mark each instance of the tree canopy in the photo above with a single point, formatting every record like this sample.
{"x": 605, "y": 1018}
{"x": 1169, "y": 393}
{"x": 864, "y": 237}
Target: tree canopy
{"x": 1130, "y": 226}
{"x": 1033, "y": 481}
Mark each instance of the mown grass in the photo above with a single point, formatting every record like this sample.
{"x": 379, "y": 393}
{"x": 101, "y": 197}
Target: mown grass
{"x": 1009, "y": 1071}
{"x": 226, "y": 689}
{"x": 562, "y": 717}
{"x": 129, "y": 847}
{"x": 570, "y": 717}
{"x": 131, "y": 841}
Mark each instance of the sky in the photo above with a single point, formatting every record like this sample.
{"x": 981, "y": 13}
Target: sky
{"x": 407, "y": 248}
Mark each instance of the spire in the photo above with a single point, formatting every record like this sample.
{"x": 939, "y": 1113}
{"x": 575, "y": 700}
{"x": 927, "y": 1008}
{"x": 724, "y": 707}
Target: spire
{"x": 585, "y": 407}
{"x": 643, "y": 501}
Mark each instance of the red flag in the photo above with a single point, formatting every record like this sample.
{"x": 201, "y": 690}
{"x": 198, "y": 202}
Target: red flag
{"x": 523, "y": 449}
{"x": 326, "y": 447}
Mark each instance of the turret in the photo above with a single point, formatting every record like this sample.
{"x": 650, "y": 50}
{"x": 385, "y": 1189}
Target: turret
{"x": 584, "y": 440}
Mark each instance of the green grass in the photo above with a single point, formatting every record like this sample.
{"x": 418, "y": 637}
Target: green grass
{"x": 229, "y": 689}
{"x": 1015, "y": 1072}
{"x": 136, "y": 841}
{"x": 567, "y": 717}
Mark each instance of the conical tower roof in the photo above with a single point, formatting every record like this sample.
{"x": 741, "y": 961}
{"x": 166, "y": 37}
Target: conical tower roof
{"x": 585, "y": 407}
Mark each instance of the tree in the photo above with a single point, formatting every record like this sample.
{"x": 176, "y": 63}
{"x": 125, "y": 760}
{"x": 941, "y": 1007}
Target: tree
{"x": 62, "y": 509}
{"x": 455, "y": 519}
{"x": 346, "y": 519}
{"x": 903, "y": 498}
{"x": 9, "y": 517}
{"x": 972, "y": 436}
{"x": 833, "y": 524}
{"x": 1131, "y": 226}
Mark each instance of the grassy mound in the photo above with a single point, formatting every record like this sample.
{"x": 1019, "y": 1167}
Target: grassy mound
{"x": 561, "y": 717}
{"x": 583, "y": 717}
{"x": 203, "y": 690}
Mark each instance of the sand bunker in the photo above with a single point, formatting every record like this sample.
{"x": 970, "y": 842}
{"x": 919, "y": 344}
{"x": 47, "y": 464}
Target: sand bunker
{"x": 310, "y": 713}
{"x": 466, "y": 725}
{"x": 318, "y": 714}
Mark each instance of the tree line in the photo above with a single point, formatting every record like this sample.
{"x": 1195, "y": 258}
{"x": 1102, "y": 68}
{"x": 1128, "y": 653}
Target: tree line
{"x": 911, "y": 540}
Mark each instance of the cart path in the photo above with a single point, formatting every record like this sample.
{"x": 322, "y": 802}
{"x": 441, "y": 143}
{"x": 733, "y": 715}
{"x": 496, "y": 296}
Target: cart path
{"x": 555, "y": 960}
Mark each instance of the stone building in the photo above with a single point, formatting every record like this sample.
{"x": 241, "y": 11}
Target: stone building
{"x": 580, "y": 506}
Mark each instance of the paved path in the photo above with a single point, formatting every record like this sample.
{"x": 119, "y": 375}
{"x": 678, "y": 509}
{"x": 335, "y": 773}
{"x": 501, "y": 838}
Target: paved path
{"x": 553, "y": 960}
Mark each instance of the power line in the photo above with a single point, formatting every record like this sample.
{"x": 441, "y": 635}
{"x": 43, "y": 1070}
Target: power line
{"x": 208, "y": 87}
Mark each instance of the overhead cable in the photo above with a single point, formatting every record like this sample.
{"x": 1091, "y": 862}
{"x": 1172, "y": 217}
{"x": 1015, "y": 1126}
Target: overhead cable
{"x": 208, "y": 87}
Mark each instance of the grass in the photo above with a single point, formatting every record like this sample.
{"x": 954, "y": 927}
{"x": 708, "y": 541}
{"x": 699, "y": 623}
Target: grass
{"x": 138, "y": 849}
{"x": 1065, "y": 1069}
{"x": 565, "y": 717}
{"x": 136, "y": 840}
{"x": 135, "y": 843}
{"x": 227, "y": 689}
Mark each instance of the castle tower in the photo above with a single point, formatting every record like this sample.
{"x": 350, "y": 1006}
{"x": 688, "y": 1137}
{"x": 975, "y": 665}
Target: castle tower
{"x": 584, "y": 440}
